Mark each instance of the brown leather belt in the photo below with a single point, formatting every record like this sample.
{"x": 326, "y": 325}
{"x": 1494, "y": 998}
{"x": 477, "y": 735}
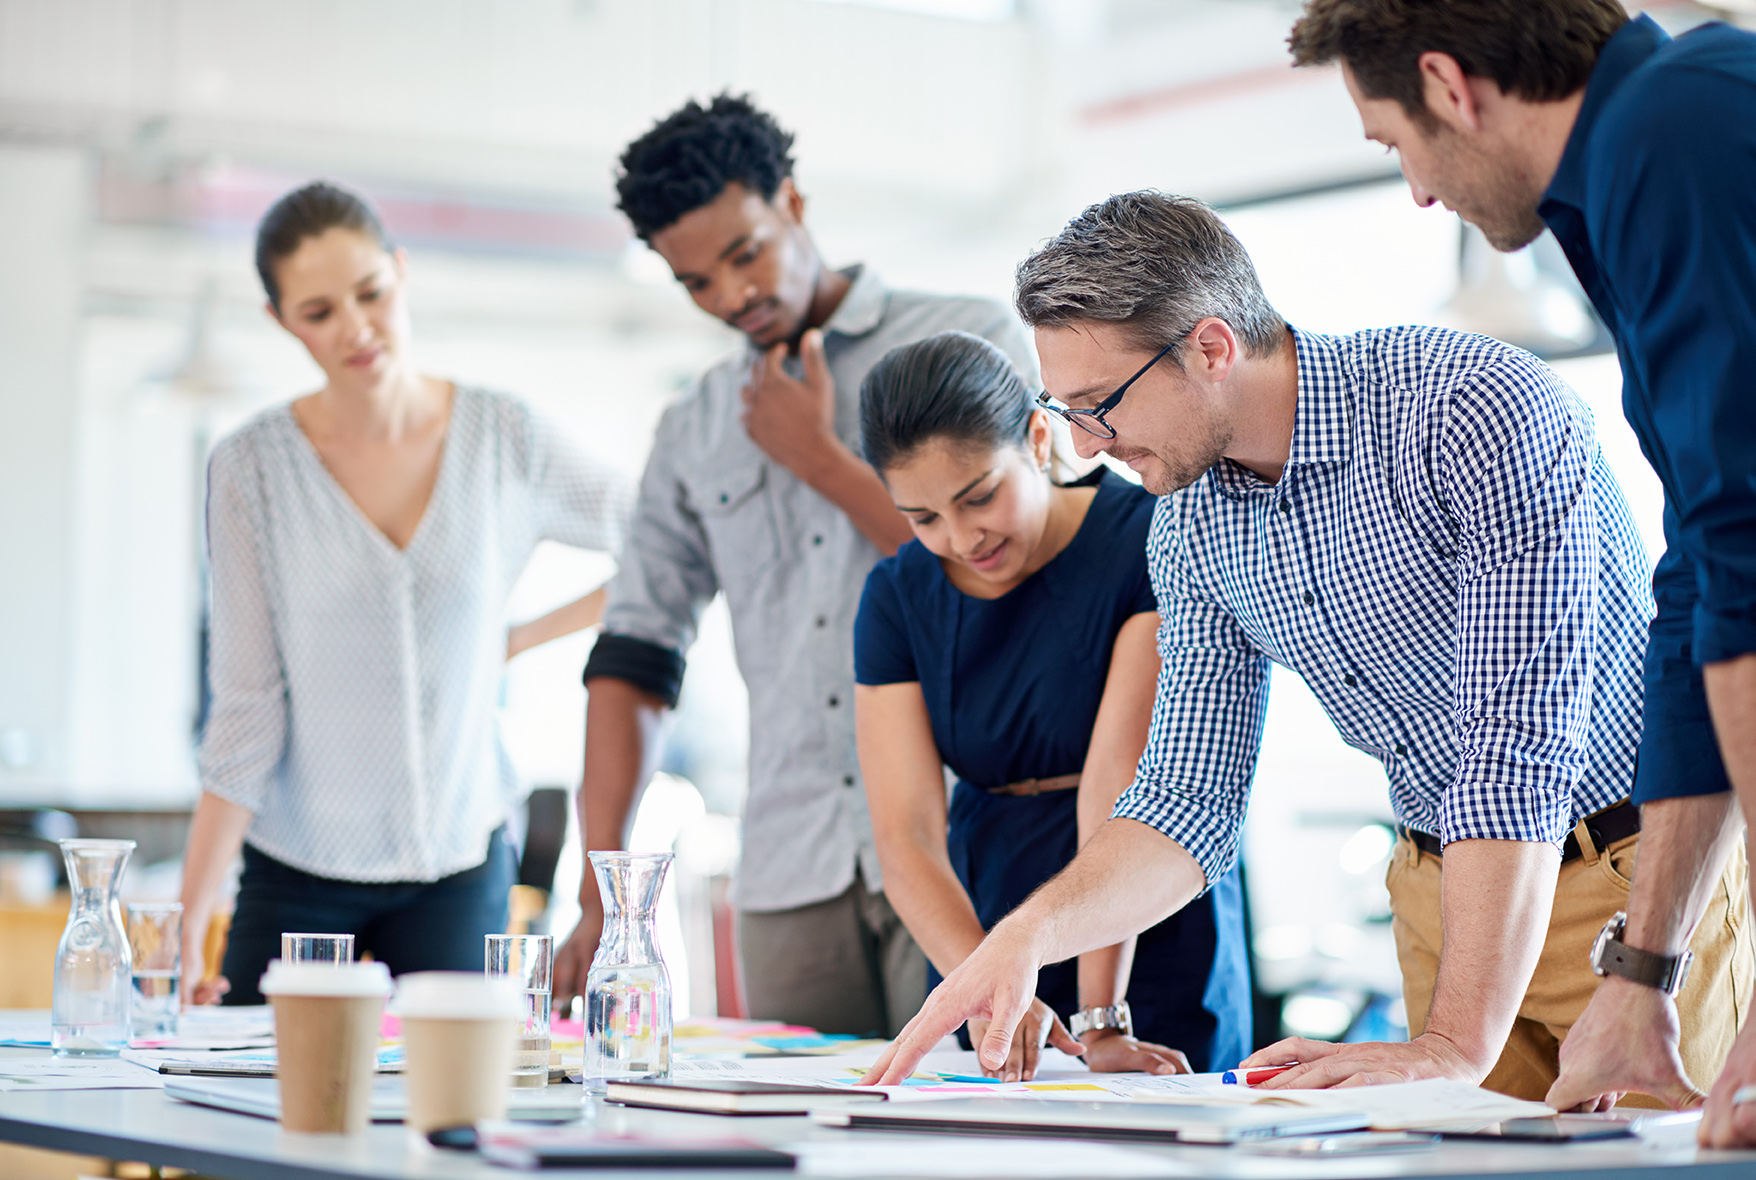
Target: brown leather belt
{"x": 1036, "y": 786}
{"x": 1609, "y": 826}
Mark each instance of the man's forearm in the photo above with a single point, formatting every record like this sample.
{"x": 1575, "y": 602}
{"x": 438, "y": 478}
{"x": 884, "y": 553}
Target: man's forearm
{"x": 1731, "y": 697}
{"x": 622, "y": 746}
{"x": 1495, "y": 905}
{"x": 1683, "y": 847}
{"x": 1126, "y": 878}
{"x": 848, "y": 482}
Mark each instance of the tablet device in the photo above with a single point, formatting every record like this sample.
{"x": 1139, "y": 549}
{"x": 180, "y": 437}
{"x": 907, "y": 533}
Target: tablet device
{"x": 570, "y": 1147}
{"x": 1137, "y": 1121}
{"x": 1561, "y": 1128}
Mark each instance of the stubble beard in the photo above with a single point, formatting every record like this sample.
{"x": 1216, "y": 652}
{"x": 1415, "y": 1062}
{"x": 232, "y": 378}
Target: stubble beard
{"x": 1173, "y": 475}
{"x": 1492, "y": 195}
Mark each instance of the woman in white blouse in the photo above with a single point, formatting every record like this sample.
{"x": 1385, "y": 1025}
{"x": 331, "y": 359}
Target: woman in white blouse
{"x": 363, "y": 541}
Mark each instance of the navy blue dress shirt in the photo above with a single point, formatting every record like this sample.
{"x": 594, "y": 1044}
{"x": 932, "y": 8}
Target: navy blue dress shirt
{"x": 1655, "y": 205}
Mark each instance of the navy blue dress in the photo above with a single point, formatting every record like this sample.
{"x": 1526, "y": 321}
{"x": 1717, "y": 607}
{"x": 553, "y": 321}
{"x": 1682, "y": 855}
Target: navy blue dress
{"x": 1012, "y": 687}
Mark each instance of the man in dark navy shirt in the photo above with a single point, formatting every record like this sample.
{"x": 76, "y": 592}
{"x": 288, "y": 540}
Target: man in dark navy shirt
{"x": 1639, "y": 152}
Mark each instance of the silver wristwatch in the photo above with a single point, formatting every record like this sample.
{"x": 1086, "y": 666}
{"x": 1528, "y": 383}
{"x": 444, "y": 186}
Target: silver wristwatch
{"x": 1116, "y": 1016}
{"x": 1611, "y": 956}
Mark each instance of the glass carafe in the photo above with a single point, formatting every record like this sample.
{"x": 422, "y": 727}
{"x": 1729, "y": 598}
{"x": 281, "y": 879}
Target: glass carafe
{"x": 93, "y": 965}
{"x": 628, "y": 994}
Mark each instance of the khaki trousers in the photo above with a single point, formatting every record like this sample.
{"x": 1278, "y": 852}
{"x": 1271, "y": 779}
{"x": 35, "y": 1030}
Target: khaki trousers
{"x": 846, "y": 965}
{"x": 1711, "y": 1007}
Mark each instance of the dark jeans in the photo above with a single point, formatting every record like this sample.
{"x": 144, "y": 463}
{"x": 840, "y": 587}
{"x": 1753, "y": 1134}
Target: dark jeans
{"x": 408, "y": 926}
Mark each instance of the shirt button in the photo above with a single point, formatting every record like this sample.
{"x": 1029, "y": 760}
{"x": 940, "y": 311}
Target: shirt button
{"x": 817, "y": 540}
{"x": 1309, "y": 598}
{"x": 1401, "y": 749}
{"x": 822, "y": 621}
{"x": 847, "y": 780}
{"x": 1286, "y": 507}
{"x": 834, "y": 701}
{"x": 724, "y": 498}
{"x": 1349, "y": 680}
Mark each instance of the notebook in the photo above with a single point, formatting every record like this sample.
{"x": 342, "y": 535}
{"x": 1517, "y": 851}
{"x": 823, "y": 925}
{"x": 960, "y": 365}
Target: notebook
{"x": 1095, "y": 1120}
{"x": 736, "y": 1096}
{"x": 261, "y": 1097}
{"x": 581, "y": 1147}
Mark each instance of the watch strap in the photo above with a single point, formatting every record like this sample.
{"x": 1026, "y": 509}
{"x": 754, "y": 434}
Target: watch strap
{"x": 1116, "y": 1016}
{"x": 1665, "y": 972}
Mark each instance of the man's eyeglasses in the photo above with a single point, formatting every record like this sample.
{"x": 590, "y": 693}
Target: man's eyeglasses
{"x": 1093, "y": 421}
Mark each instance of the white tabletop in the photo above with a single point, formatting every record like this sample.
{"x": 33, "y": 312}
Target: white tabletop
{"x": 145, "y": 1125}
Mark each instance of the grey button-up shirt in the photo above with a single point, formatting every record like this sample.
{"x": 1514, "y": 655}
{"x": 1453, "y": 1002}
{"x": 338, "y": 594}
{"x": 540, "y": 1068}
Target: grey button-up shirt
{"x": 717, "y": 514}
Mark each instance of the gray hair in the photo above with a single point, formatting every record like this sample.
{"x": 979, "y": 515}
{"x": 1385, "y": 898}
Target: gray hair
{"x": 1156, "y": 265}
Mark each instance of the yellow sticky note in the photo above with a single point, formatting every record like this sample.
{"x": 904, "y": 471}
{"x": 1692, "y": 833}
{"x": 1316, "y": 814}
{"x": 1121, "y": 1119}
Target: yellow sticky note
{"x": 1064, "y": 1086}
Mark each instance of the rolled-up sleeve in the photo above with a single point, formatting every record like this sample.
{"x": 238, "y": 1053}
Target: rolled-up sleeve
{"x": 1516, "y": 459}
{"x": 245, "y": 736}
{"x": 1193, "y": 781}
{"x": 1674, "y": 220}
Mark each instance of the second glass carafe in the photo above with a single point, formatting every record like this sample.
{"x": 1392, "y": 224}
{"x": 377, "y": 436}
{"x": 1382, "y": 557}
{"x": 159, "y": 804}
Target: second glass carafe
{"x": 94, "y": 974}
{"x": 628, "y": 993}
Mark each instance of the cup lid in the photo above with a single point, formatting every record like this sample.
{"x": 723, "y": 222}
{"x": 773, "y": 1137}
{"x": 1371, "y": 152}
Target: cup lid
{"x": 325, "y": 979}
{"x": 457, "y": 995}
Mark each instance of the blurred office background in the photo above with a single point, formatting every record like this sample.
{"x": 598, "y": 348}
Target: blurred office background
{"x": 938, "y": 141}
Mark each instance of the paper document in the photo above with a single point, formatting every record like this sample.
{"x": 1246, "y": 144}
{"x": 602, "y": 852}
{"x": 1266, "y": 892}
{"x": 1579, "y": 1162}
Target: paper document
{"x": 1430, "y": 1104}
{"x": 75, "y": 1073}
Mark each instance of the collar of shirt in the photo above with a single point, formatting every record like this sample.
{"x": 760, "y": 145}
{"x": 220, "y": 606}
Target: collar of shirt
{"x": 1322, "y": 422}
{"x": 1631, "y": 47}
{"x": 862, "y": 309}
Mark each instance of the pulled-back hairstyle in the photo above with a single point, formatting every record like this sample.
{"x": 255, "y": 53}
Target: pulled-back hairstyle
{"x": 305, "y": 213}
{"x": 952, "y": 386}
{"x": 689, "y": 158}
{"x": 1537, "y": 50}
{"x": 1154, "y": 264}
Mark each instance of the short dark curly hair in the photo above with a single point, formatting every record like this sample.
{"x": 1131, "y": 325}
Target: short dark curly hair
{"x": 689, "y": 158}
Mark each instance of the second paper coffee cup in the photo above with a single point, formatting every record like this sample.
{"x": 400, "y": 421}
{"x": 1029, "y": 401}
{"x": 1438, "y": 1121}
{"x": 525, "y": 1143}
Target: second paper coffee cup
{"x": 459, "y": 1030}
{"x": 326, "y": 1031}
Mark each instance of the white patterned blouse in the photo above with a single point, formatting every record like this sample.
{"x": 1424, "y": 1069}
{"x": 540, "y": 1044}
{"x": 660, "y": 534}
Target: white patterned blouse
{"x": 354, "y": 683}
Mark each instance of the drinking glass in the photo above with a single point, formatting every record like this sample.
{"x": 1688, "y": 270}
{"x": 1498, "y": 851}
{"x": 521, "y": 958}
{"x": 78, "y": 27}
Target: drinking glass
{"x": 317, "y": 948}
{"x": 529, "y": 961}
{"x": 155, "y": 938}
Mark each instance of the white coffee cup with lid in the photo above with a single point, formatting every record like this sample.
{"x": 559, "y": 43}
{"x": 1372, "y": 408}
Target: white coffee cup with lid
{"x": 460, "y": 1030}
{"x": 326, "y": 1031}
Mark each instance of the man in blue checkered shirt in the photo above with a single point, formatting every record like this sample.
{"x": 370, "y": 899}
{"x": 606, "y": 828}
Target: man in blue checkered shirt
{"x": 1420, "y": 524}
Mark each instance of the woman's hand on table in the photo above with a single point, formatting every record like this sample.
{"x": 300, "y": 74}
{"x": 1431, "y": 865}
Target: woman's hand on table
{"x": 207, "y": 991}
{"x": 1040, "y": 1024}
{"x": 1111, "y": 1051}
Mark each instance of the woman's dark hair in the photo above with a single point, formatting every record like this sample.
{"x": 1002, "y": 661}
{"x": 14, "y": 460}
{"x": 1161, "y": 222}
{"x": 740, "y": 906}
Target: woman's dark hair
{"x": 952, "y": 386}
{"x": 305, "y": 213}
{"x": 689, "y": 157}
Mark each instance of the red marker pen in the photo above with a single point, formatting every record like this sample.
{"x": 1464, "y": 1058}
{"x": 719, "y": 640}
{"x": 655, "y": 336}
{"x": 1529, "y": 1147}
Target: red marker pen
{"x": 1254, "y": 1077}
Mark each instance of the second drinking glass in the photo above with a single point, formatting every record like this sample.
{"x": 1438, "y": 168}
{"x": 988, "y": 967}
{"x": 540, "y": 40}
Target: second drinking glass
{"x": 529, "y": 961}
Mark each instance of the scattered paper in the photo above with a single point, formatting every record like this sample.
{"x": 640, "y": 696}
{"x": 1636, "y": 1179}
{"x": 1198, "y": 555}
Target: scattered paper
{"x": 1432, "y": 1104}
{"x": 24, "y": 1028}
{"x": 75, "y": 1073}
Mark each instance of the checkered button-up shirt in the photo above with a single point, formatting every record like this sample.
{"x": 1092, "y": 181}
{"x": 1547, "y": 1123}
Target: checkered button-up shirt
{"x": 1447, "y": 562}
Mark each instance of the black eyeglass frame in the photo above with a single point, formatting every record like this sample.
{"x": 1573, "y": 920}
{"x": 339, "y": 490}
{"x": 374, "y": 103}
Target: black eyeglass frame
{"x": 1093, "y": 421}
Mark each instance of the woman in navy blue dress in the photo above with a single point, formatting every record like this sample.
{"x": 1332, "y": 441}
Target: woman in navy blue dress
{"x": 1014, "y": 640}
